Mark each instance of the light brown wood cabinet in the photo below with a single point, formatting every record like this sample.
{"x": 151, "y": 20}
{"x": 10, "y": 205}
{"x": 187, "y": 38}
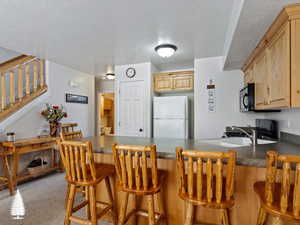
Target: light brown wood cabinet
{"x": 278, "y": 57}
{"x": 175, "y": 81}
{"x": 249, "y": 76}
{"x": 275, "y": 63}
{"x": 260, "y": 77}
{"x": 162, "y": 83}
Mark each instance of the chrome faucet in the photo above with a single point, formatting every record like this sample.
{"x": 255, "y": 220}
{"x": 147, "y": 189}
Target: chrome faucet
{"x": 252, "y": 136}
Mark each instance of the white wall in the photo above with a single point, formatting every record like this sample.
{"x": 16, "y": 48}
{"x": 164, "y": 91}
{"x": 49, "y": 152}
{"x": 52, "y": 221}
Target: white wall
{"x": 289, "y": 120}
{"x": 228, "y": 85}
{"x": 28, "y": 122}
{"x": 6, "y": 54}
{"x": 143, "y": 73}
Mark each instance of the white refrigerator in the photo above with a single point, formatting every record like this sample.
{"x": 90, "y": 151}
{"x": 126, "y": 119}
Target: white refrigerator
{"x": 170, "y": 117}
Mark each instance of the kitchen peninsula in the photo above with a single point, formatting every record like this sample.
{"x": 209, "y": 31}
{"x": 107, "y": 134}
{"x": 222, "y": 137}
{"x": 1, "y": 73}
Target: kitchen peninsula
{"x": 250, "y": 168}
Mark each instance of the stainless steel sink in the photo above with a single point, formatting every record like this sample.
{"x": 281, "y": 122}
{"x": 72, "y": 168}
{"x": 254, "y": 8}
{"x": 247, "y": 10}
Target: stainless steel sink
{"x": 236, "y": 142}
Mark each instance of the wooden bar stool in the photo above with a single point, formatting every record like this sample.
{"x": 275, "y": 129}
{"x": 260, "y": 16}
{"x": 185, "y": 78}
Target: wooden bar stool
{"x": 83, "y": 172}
{"x": 137, "y": 174}
{"x": 206, "y": 189}
{"x": 71, "y": 135}
{"x": 7, "y": 176}
{"x": 280, "y": 194}
{"x": 68, "y": 127}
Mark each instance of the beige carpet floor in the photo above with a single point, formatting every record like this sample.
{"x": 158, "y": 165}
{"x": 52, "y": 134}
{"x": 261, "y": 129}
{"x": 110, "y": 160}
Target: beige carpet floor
{"x": 43, "y": 201}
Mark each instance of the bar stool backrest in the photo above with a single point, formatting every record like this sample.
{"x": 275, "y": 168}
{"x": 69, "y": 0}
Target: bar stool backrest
{"x": 71, "y": 135}
{"x": 136, "y": 167}
{"x": 198, "y": 179}
{"x": 68, "y": 127}
{"x": 78, "y": 160}
{"x": 288, "y": 176}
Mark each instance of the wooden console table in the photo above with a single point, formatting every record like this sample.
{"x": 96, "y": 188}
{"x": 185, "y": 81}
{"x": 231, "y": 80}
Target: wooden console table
{"x": 24, "y": 146}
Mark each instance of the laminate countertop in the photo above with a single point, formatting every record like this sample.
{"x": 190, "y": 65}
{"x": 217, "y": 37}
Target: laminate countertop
{"x": 166, "y": 148}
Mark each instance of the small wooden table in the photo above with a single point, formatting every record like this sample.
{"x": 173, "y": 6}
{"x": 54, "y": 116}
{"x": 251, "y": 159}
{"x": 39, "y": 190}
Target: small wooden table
{"x": 24, "y": 146}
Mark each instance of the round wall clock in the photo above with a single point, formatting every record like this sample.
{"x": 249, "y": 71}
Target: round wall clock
{"x": 130, "y": 72}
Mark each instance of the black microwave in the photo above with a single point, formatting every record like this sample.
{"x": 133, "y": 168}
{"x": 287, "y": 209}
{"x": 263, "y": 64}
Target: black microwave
{"x": 247, "y": 98}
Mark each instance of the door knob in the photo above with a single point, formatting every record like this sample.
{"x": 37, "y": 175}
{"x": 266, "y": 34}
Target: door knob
{"x": 141, "y": 130}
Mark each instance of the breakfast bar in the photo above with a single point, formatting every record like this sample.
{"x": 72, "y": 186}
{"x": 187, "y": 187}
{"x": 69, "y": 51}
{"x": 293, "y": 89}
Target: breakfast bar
{"x": 250, "y": 168}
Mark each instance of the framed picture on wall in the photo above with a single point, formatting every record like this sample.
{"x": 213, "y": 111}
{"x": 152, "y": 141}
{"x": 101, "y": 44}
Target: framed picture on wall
{"x": 71, "y": 98}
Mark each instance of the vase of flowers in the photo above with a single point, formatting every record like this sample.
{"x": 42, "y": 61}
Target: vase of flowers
{"x": 54, "y": 114}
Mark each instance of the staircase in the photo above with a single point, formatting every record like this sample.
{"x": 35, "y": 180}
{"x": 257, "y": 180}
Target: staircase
{"x": 22, "y": 79}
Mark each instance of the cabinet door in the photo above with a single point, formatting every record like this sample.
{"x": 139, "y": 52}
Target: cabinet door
{"x": 249, "y": 77}
{"x": 278, "y": 57}
{"x": 162, "y": 83}
{"x": 261, "y": 80}
{"x": 183, "y": 82}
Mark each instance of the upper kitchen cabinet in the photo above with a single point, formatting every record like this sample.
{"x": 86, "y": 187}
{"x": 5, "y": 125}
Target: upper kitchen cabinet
{"x": 162, "y": 82}
{"x": 249, "y": 76}
{"x": 278, "y": 58}
{"x": 260, "y": 78}
{"x": 276, "y": 63}
{"x": 174, "y": 81}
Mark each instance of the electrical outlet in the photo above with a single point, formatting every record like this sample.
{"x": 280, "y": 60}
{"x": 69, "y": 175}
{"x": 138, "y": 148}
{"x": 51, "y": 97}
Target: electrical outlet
{"x": 288, "y": 123}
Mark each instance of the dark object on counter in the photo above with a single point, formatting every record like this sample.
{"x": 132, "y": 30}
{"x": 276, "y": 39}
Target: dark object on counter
{"x": 11, "y": 136}
{"x": 266, "y": 129}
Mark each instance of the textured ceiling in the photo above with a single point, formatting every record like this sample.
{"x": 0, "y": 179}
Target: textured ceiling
{"x": 88, "y": 35}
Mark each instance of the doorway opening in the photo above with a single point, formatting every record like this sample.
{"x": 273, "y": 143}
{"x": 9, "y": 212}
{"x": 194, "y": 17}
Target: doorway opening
{"x": 107, "y": 114}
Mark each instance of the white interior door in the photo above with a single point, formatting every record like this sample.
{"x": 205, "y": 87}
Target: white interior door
{"x": 132, "y": 109}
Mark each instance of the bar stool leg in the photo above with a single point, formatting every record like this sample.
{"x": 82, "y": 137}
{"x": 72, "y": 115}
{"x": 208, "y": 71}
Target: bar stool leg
{"x": 123, "y": 209}
{"x": 93, "y": 210}
{"x": 110, "y": 196}
{"x": 67, "y": 195}
{"x": 151, "y": 217}
{"x": 87, "y": 198}
{"x": 161, "y": 207}
{"x": 189, "y": 218}
{"x": 71, "y": 196}
{"x": 262, "y": 216}
{"x": 225, "y": 220}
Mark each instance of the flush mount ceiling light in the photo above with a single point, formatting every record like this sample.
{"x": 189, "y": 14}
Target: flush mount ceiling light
{"x": 165, "y": 50}
{"x": 110, "y": 76}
